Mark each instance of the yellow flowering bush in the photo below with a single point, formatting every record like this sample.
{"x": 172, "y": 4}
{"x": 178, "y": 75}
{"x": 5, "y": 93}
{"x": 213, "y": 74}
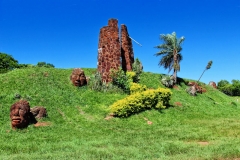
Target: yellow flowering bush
{"x": 140, "y": 101}
{"x": 135, "y": 87}
{"x": 130, "y": 75}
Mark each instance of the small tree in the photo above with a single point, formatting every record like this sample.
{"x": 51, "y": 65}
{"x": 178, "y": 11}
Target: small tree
{"x": 7, "y": 63}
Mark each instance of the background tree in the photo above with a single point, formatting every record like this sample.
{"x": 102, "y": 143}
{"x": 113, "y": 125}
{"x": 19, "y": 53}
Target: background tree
{"x": 170, "y": 52}
{"x": 44, "y": 64}
{"x": 7, "y": 63}
{"x": 222, "y": 83}
{"x": 236, "y": 87}
{"x": 231, "y": 89}
{"x": 137, "y": 68}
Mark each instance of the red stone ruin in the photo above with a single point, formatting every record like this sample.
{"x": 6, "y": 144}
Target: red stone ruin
{"x": 113, "y": 52}
{"x": 126, "y": 49}
{"x": 213, "y": 84}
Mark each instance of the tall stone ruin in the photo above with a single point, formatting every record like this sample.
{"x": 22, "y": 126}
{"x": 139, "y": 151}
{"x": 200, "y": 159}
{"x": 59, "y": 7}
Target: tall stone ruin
{"x": 126, "y": 49}
{"x": 113, "y": 52}
{"x": 109, "y": 50}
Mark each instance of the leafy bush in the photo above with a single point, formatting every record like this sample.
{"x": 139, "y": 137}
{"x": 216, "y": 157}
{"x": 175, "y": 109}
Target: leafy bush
{"x": 228, "y": 88}
{"x": 44, "y": 64}
{"x": 222, "y": 83}
{"x": 131, "y": 75}
{"x": 96, "y": 84}
{"x": 168, "y": 81}
{"x": 137, "y": 68}
{"x": 25, "y": 66}
{"x": 135, "y": 87}
{"x": 236, "y": 87}
{"x": 141, "y": 101}
{"x": 121, "y": 79}
{"x": 7, "y": 63}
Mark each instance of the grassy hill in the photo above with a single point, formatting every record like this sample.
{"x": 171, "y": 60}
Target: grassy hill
{"x": 201, "y": 127}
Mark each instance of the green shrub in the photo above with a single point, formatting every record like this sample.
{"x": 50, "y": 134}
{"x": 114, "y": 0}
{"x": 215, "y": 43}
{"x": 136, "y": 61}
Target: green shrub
{"x": 231, "y": 89}
{"x": 168, "y": 81}
{"x": 121, "y": 79}
{"x": 96, "y": 84}
{"x": 7, "y": 63}
{"x": 158, "y": 99}
{"x": 135, "y": 87}
{"x": 44, "y": 64}
{"x": 137, "y": 68}
{"x": 227, "y": 89}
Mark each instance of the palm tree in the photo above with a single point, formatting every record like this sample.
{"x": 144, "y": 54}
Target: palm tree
{"x": 170, "y": 52}
{"x": 193, "y": 89}
{"x": 207, "y": 67}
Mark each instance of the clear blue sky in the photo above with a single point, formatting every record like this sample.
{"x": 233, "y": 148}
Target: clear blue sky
{"x": 65, "y": 32}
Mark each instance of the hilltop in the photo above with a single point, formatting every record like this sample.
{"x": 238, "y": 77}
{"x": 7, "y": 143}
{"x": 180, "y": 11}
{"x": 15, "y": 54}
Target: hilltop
{"x": 201, "y": 127}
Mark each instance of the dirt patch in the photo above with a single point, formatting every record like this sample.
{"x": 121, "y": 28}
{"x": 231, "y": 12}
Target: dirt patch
{"x": 176, "y": 87}
{"x": 148, "y": 122}
{"x": 80, "y": 110}
{"x": 40, "y": 124}
{"x": 109, "y": 117}
{"x": 178, "y": 104}
{"x": 203, "y": 143}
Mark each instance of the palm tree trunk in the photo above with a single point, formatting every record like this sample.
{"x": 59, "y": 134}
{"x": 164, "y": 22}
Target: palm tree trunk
{"x": 175, "y": 59}
{"x": 175, "y": 75}
{"x": 201, "y": 75}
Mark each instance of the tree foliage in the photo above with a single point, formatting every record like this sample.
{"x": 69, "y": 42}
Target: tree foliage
{"x": 7, "y": 63}
{"x": 170, "y": 51}
{"x": 231, "y": 89}
{"x": 44, "y": 64}
{"x": 137, "y": 68}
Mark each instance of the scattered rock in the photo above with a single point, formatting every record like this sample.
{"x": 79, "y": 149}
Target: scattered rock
{"x": 39, "y": 112}
{"x": 195, "y": 88}
{"x": 213, "y": 84}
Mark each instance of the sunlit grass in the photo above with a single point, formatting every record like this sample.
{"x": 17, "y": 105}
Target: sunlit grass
{"x": 201, "y": 127}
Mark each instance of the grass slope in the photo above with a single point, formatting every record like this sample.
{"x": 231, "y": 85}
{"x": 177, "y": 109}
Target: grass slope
{"x": 201, "y": 127}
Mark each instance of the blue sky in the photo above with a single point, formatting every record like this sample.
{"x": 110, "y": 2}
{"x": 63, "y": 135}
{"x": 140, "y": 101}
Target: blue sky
{"x": 66, "y": 32}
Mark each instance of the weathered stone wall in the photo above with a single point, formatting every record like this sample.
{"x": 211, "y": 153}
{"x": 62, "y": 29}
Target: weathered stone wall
{"x": 126, "y": 49}
{"x": 109, "y": 51}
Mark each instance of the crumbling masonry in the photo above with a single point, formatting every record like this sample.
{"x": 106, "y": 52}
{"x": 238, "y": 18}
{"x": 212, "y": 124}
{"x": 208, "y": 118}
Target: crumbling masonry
{"x": 112, "y": 52}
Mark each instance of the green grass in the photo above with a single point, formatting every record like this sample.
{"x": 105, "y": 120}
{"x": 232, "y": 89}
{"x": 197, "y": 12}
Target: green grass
{"x": 78, "y": 129}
